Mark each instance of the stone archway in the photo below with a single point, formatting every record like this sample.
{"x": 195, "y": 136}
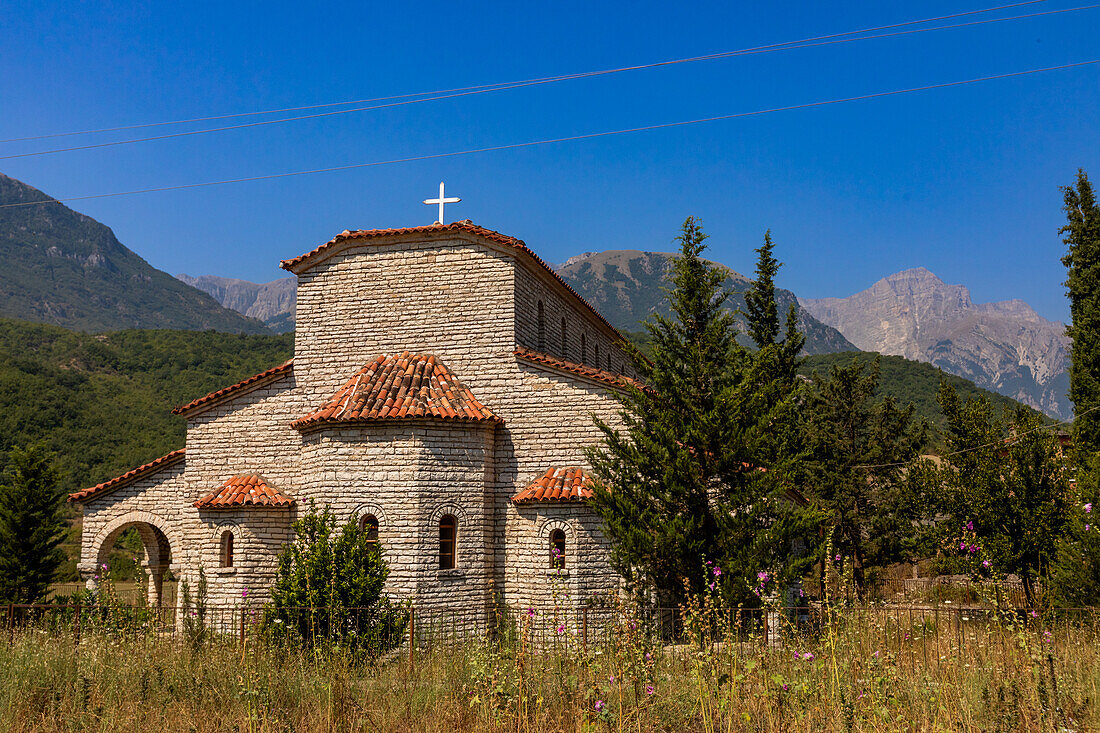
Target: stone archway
{"x": 157, "y": 541}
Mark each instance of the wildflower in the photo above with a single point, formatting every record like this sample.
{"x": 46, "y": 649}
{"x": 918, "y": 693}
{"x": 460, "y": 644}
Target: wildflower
{"x": 962, "y": 545}
{"x": 763, "y": 576}
{"x": 561, "y": 629}
{"x": 875, "y": 655}
{"x": 1034, "y": 614}
{"x": 599, "y": 706}
{"x": 530, "y": 613}
{"x": 838, "y": 557}
{"x": 785, "y": 688}
{"x": 244, "y": 593}
{"x": 970, "y": 526}
{"x": 1088, "y": 508}
{"x": 611, "y": 678}
{"x": 649, "y": 689}
{"x": 648, "y": 656}
{"x": 808, "y": 656}
{"x": 717, "y": 571}
{"x": 1086, "y": 528}
{"x": 985, "y": 564}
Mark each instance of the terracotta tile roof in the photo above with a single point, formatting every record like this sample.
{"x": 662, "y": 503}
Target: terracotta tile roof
{"x": 557, "y": 484}
{"x": 467, "y": 227}
{"x": 254, "y": 380}
{"x": 600, "y": 375}
{"x": 404, "y": 386}
{"x": 149, "y": 468}
{"x": 245, "y": 491}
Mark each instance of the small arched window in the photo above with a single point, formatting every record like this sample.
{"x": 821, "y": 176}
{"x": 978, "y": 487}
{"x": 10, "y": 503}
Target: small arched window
{"x": 227, "y": 549}
{"x": 564, "y": 341}
{"x": 369, "y": 524}
{"x": 542, "y": 329}
{"x": 557, "y": 549}
{"x": 448, "y": 535}
{"x": 584, "y": 348}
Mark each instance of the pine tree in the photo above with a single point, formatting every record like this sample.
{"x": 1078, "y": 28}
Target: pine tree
{"x": 32, "y": 525}
{"x": 1082, "y": 261}
{"x": 761, "y": 310}
{"x": 682, "y": 484}
{"x": 861, "y": 450}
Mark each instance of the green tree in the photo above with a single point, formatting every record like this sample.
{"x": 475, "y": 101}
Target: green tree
{"x": 330, "y": 586}
{"x": 32, "y": 525}
{"x": 1077, "y": 574}
{"x": 684, "y": 483}
{"x": 1082, "y": 237}
{"x": 1006, "y": 486}
{"x": 861, "y": 450}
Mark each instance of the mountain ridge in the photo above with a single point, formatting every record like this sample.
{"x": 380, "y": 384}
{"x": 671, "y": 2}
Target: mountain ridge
{"x": 67, "y": 269}
{"x": 1004, "y": 346}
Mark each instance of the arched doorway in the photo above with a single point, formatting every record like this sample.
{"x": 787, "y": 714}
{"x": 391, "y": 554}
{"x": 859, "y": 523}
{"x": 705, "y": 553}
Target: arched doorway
{"x": 156, "y": 546}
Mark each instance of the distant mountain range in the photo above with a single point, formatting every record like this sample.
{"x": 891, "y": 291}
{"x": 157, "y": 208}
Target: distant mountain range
{"x": 1005, "y": 347}
{"x": 61, "y": 267}
{"x": 272, "y": 303}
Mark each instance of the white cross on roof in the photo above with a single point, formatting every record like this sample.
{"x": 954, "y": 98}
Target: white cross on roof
{"x": 442, "y": 200}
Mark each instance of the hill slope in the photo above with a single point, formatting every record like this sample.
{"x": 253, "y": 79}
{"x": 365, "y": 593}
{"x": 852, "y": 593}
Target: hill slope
{"x": 625, "y": 286}
{"x": 103, "y": 402}
{"x": 59, "y": 266}
{"x": 1005, "y": 347}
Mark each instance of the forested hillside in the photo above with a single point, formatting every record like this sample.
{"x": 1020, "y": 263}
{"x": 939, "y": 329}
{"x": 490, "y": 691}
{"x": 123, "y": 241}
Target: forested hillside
{"x": 103, "y": 402}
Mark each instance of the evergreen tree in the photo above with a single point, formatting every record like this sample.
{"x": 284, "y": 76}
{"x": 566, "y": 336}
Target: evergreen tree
{"x": 32, "y": 525}
{"x": 1005, "y": 496}
{"x": 329, "y": 586}
{"x": 684, "y": 482}
{"x": 861, "y": 449}
{"x": 1082, "y": 261}
{"x": 761, "y": 310}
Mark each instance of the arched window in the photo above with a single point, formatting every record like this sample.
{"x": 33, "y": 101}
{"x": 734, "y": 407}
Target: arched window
{"x": 369, "y": 524}
{"x": 227, "y": 549}
{"x": 557, "y": 549}
{"x": 584, "y": 348}
{"x": 542, "y": 328}
{"x": 448, "y": 534}
{"x": 564, "y": 341}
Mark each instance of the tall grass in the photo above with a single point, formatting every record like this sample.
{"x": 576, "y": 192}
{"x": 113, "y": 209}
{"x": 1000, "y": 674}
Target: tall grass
{"x": 872, "y": 670}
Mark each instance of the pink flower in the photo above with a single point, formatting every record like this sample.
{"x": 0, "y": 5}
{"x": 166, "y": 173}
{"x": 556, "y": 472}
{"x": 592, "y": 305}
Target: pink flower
{"x": 763, "y": 576}
{"x": 837, "y": 557}
{"x": 1087, "y": 527}
{"x": 1034, "y": 614}
{"x": 599, "y": 706}
{"x": 1088, "y": 508}
{"x": 561, "y": 629}
{"x": 717, "y": 571}
{"x": 970, "y": 526}
{"x": 530, "y": 613}
{"x": 649, "y": 689}
{"x": 962, "y": 545}
{"x": 808, "y": 656}
{"x": 985, "y": 563}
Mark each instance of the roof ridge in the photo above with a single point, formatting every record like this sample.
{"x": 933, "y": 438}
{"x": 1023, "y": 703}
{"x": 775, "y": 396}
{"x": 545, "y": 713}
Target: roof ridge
{"x": 245, "y": 489}
{"x": 132, "y": 475}
{"x": 557, "y": 483}
{"x": 595, "y": 373}
{"x": 286, "y": 366}
{"x": 458, "y": 226}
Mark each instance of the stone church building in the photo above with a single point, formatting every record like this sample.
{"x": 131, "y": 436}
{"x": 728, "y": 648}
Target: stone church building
{"x": 442, "y": 393}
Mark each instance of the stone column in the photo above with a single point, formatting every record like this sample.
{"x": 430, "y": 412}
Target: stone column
{"x": 156, "y": 583}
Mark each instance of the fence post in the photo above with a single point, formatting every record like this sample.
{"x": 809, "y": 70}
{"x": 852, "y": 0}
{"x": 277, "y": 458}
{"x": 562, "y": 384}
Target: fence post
{"x": 584, "y": 629}
{"x": 412, "y": 623}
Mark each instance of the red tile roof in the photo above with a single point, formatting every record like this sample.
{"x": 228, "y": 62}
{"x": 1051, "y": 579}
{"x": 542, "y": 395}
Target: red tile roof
{"x": 600, "y": 375}
{"x": 466, "y": 227}
{"x": 254, "y": 381}
{"x": 404, "y": 386}
{"x": 557, "y": 484}
{"x": 149, "y": 468}
{"x": 245, "y": 491}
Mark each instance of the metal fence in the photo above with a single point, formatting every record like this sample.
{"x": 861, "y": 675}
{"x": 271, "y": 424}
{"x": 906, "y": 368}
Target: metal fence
{"x": 924, "y": 635}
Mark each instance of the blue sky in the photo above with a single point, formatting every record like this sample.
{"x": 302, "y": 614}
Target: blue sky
{"x": 963, "y": 181}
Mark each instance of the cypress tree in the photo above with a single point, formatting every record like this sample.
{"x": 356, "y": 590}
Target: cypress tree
{"x": 1082, "y": 261}
{"x": 683, "y": 483}
{"x": 32, "y": 525}
{"x": 761, "y": 310}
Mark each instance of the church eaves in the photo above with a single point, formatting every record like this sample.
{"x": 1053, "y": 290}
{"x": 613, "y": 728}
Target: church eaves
{"x": 557, "y": 484}
{"x": 302, "y": 262}
{"x": 256, "y": 380}
{"x": 242, "y": 491}
{"x": 582, "y": 370}
{"x": 403, "y": 387}
{"x": 132, "y": 475}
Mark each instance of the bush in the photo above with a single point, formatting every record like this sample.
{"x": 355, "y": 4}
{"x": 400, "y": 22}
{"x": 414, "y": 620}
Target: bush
{"x": 329, "y": 588}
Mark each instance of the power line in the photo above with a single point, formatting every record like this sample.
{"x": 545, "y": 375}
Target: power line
{"x": 570, "y": 138}
{"x": 1005, "y": 441}
{"x": 406, "y": 99}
